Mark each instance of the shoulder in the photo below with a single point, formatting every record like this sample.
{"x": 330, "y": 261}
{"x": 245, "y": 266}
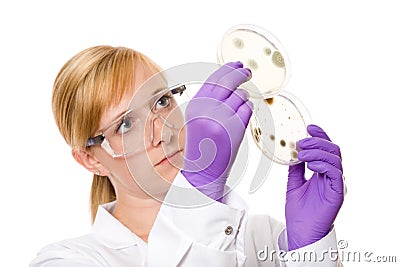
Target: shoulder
{"x": 79, "y": 251}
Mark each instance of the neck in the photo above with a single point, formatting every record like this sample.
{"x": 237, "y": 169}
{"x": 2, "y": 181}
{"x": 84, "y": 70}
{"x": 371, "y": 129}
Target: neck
{"x": 137, "y": 214}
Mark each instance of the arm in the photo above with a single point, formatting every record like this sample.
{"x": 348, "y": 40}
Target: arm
{"x": 55, "y": 255}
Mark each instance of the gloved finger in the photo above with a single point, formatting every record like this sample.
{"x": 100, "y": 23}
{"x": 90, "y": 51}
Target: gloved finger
{"x": 333, "y": 174}
{"x": 229, "y": 83}
{"x": 222, "y": 71}
{"x": 212, "y": 80}
{"x": 319, "y": 143}
{"x": 310, "y": 155}
{"x": 245, "y": 111}
{"x": 236, "y": 99}
{"x": 316, "y": 131}
{"x": 296, "y": 176}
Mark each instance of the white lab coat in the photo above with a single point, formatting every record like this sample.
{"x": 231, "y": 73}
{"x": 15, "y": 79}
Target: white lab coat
{"x": 219, "y": 234}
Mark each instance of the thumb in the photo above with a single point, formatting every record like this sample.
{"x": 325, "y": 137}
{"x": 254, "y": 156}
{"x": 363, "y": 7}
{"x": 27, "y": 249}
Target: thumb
{"x": 296, "y": 176}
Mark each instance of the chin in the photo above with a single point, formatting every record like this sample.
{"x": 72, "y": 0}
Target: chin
{"x": 168, "y": 172}
{"x": 171, "y": 174}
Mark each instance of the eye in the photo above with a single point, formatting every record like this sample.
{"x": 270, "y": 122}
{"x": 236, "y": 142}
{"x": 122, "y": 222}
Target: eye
{"x": 162, "y": 103}
{"x": 125, "y": 125}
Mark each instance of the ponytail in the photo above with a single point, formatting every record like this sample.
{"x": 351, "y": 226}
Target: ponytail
{"x": 102, "y": 192}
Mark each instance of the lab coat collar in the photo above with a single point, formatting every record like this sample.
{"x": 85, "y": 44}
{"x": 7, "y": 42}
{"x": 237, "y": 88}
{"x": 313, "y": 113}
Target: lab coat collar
{"x": 191, "y": 229}
{"x": 111, "y": 232}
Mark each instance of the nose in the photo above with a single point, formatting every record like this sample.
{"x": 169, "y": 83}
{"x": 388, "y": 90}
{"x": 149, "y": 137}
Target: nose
{"x": 161, "y": 130}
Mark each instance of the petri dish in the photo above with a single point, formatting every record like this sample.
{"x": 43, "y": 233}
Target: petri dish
{"x": 260, "y": 51}
{"x": 277, "y": 137}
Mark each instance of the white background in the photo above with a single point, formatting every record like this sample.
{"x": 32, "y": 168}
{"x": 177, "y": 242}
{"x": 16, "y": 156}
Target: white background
{"x": 345, "y": 62}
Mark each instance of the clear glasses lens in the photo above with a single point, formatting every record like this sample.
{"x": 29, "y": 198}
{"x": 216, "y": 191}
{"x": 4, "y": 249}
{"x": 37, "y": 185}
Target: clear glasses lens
{"x": 134, "y": 131}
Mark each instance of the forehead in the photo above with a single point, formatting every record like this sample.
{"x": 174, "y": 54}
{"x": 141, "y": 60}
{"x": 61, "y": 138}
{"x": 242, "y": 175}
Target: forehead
{"x": 147, "y": 83}
{"x": 150, "y": 86}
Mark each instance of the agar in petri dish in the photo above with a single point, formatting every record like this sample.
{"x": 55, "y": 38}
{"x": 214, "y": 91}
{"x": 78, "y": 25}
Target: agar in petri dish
{"x": 260, "y": 51}
{"x": 277, "y": 137}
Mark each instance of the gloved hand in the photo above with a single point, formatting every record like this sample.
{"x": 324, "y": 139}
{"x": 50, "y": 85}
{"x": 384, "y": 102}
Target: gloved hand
{"x": 312, "y": 205}
{"x": 216, "y": 118}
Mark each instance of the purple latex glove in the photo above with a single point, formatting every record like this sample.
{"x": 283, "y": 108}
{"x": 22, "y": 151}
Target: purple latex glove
{"x": 217, "y": 117}
{"x": 312, "y": 205}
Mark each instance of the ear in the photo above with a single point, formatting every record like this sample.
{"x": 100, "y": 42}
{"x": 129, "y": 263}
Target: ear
{"x": 88, "y": 161}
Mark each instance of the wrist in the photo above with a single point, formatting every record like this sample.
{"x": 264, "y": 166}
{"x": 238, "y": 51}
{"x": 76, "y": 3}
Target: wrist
{"x": 301, "y": 236}
{"x": 209, "y": 186}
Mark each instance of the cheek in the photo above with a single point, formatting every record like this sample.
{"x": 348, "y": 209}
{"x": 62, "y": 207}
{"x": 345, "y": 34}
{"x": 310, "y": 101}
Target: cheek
{"x": 151, "y": 180}
{"x": 116, "y": 169}
{"x": 120, "y": 172}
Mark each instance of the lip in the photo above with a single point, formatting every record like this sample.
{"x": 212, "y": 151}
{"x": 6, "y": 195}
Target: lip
{"x": 166, "y": 159}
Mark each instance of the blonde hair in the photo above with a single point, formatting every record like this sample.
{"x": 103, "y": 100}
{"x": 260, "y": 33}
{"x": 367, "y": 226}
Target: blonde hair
{"x": 87, "y": 85}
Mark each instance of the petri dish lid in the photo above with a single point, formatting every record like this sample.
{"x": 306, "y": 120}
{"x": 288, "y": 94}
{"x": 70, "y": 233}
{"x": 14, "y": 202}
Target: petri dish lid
{"x": 277, "y": 137}
{"x": 260, "y": 51}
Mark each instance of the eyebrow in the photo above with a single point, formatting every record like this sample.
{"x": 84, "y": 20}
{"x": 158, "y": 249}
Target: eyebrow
{"x": 175, "y": 88}
{"x": 115, "y": 120}
{"x": 158, "y": 91}
{"x": 123, "y": 113}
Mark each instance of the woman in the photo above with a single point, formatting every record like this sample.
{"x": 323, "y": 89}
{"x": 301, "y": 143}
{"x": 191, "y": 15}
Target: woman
{"x": 135, "y": 142}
